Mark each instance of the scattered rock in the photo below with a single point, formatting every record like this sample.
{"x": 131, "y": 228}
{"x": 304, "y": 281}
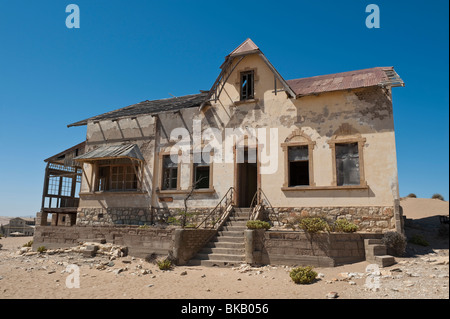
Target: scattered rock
{"x": 184, "y": 273}
{"x": 118, "y": 271}
{"x": 332, "y": 295}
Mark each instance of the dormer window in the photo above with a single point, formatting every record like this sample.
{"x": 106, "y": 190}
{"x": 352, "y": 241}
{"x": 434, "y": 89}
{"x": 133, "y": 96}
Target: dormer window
{"x": 247, "y": 85}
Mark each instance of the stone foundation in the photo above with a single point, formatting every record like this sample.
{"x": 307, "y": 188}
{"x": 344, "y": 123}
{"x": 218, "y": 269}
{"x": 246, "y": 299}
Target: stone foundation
{"x": 372, "y": 219}
{"x": 140, "y": 216}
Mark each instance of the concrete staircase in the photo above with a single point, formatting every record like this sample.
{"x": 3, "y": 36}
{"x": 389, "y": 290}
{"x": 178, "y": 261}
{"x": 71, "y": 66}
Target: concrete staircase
{"x": 376, "y": 253}
{"x": 227, "y": 248}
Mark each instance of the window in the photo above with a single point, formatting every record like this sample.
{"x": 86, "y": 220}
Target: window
{"x": 202, "y": 172}
{"x": 348, "y": 160}
{"x": 66, "y": 186}
{"x": 117, "y": 178}
{"x": 347, "y": 164}
{"x": 298, "y": 151}
{"x": 247, "y": 85}
{"x": 298, "y": 165}
{"x": 53, "y": 185}
{"x": 170, "y": 173}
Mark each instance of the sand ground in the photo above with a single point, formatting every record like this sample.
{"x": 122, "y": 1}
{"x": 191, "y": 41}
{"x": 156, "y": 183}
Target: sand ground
{"x": 422, "y": 273}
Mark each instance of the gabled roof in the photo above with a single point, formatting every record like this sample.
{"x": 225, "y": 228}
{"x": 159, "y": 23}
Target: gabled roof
{"x": 345, "y": 80}
{"x": 246, "y": 47}
{"x": 383, "y": 76}
{"x": 149, "y": 107}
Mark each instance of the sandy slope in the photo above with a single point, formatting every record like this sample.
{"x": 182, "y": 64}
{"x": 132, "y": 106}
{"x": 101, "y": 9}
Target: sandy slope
{"x": 416, "y": 208}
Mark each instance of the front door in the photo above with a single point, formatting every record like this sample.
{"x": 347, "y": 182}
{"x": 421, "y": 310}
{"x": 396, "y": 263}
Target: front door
{"x": 247, "y": 178}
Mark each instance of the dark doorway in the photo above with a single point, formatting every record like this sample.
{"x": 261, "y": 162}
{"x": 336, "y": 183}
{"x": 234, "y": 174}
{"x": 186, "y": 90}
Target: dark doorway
{"x": 247, "y": 181}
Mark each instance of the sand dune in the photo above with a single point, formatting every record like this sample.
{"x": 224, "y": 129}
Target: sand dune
{"x": 416, "y": 208}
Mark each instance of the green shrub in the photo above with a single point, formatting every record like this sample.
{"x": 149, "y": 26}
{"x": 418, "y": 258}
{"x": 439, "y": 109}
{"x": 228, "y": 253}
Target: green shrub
{"x": 258, "y": 224}
{"x": 395, "y": 243}
{"x": 303, "y": 275}
{"x": 437, "y": 196}
{"x": 41, "y": 249}
{"x": 343, "y": 225}
{"x": 412, "y": 195}
{"x": 164, "y": 264}
{"x": 29, "y": 244}
{"x": 418, "y": 240}
{"x": 313, "y": 224}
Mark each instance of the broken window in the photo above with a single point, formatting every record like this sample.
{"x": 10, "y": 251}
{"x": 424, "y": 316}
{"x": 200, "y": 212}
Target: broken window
{"x": 117, "y": 178}
{"x": 247, "y": 79}
{"x": 202, "y": 172}
{"x": 170, "y": 172}
{"x": 298, "y": 165}
{"x": 347, "y": 164}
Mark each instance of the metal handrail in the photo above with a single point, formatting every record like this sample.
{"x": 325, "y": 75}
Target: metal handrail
{"x": 259, "y": 200}
{"x": 219, "y": 206}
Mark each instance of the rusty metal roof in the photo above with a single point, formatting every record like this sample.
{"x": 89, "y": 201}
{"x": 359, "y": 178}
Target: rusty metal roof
{"x": 113, "y": 151}
{"x": 345, "y": 81}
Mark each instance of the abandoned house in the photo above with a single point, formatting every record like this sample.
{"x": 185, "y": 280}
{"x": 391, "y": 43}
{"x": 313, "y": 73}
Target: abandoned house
{"x": 19, "y": 226}
{"x": 255, "y": 144}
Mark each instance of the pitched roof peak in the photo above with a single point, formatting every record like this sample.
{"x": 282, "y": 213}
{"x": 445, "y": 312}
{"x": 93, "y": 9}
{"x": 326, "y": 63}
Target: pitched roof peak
{"x": 245, "y": 47}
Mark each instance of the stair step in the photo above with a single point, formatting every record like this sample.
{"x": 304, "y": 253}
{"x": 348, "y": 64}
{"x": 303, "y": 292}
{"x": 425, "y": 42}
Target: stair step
{"x": 376, "y": 250}
{"x": 384, "y": 260}
{"x": 225, "y": 257}
{"x": 231, "y": 233}
{"x": 373, "y": 242}
{"x": 224, "y": 244}
{"x": 214, "y": 263}
{"x": 222, "y": 251}
{"x": 233, "y": 228}
{"x": 228, "y": 239}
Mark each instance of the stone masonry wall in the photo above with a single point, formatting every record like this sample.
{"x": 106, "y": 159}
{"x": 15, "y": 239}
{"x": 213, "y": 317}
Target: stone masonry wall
{"x": 300, "y": 248}
{"x": 140, "y": 241}
{"x": 139, "y": 216}
{"x": 373, "y": 219}
{"x": 187, "y": 242}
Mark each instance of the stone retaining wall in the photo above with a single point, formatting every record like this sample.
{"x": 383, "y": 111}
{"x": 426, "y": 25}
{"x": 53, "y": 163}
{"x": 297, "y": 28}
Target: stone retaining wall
{"x": 300, "y": 248}
{"x": 187, "y": 242}
{"x": 140, "y": 241}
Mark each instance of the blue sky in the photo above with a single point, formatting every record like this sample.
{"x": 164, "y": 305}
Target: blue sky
{"x": 128, "y": 51}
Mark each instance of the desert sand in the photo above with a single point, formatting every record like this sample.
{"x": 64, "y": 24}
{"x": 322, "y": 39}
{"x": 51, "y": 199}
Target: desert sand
{"x": 422, "y": 273}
